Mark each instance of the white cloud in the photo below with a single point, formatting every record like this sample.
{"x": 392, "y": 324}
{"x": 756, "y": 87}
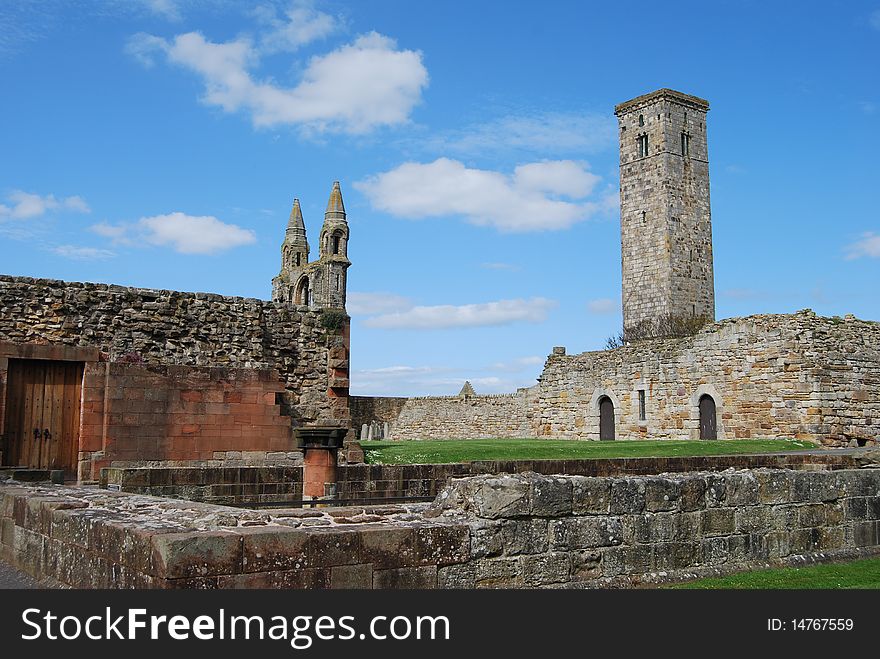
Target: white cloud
{"x": 368, "y": 304}
{"x": 524, "y": 201}
{"x": 603, "y": 306}
{"x": 187, "y": 234}
{"x": 83, "y": 253}
{"x": 358, "y": 87}
{"x": 25, "y": 205}
{"x": 502, "y": 312}
{"x": 164, "y": 8}
{"x": 545, "y": 133}
{"x": 299, "y": 25}
{"x": 868, "y": 245}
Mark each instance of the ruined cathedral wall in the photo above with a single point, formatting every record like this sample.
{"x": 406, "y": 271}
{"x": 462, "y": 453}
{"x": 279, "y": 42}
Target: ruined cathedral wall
{"x": 770, "y": 376}
{"x": 473, "y": 417}
{"x": 190, "y": 329}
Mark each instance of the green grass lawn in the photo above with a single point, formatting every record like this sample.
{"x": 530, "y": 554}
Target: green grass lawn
{"x": 858, "y": 574}
{"x": 454, "y": 450}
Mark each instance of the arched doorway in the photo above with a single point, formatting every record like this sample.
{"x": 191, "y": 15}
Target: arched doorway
{"x": 606, "y": 418}
{"x": 708, "y": 421}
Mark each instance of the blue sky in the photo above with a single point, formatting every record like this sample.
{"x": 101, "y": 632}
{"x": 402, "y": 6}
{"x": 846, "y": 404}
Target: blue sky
{"x": 160, "y": 143}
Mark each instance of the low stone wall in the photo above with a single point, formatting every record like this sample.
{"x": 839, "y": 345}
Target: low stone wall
{"x": 506, "y": 531}
{"x": 374, "y": 412}
{"x": 230, "y": 483}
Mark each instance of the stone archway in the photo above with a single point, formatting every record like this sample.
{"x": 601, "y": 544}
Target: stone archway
{"x": 302, "y": 292}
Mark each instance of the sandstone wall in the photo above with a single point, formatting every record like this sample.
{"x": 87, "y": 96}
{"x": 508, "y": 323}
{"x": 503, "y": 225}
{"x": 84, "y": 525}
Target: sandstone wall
{"x": 192, "y": 329}
{"x": 367, "y": 410}
{"x": 482, "y": 532}
{"x": 471, "y": 417}
{"x": 135, "y": 415}
{"x": 795, "y": 375}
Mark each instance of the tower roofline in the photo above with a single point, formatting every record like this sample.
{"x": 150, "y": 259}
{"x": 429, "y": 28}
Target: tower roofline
{"x": 662, "y": 94}
{"x": 335, "y": 208}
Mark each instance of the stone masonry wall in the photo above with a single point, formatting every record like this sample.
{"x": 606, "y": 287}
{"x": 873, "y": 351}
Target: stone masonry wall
{"x": 794, "y": 375}
{"x": 487, "y": 531}
{"x": 471, "y": 417}
{"x": 136, "y": 415}
{"x": 367, "y": 410}
{"x": 195, "y": 329}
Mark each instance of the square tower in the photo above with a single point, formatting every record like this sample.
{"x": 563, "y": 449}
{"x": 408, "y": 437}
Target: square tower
{"x": 665, "y": 220}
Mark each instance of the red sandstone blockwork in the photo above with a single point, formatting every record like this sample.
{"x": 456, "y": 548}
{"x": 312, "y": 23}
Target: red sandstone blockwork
{"x": 138, "y": 413}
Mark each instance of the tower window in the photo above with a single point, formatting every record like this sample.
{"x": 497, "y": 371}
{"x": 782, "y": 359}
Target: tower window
{"x": 641, "y": 120}
{"x": 685, "y": 144}
{"x": 337, "y": 282}
{"x": 298, "y": 259}
{"x": 336, "y": 244}
{"x": 642, "y": 415}
{"x": 643, "y": 145}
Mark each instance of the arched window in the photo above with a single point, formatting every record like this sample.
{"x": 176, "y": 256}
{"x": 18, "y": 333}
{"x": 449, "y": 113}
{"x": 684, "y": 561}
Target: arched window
{"x": 606, "y": 418}
{"x": 336, "y": 240}
{"x": 297, "y": 259}
{"x": 708, "y": 421}
{"x": 302, "y": 291}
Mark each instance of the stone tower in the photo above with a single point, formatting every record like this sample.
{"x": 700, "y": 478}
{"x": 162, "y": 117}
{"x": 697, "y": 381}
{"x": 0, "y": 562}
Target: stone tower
{"x": 665, "y": 220}
{"x": 321, "y": 283}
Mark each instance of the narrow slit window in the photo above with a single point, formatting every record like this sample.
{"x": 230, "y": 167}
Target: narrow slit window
{"x": 643, "y": 145}
{"x": 641, "y": 120}
{"x": 685, "y": 144}
{"x": 642, "y": 415}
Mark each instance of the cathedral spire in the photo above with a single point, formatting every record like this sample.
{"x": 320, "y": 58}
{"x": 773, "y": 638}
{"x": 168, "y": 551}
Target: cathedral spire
{"x": 335, "y": 209}
{"x": 296, "y": 228}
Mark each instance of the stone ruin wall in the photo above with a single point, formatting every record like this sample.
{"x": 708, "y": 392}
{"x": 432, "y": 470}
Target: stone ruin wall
{"x": 460, "y": 417}
{"x": 202, "y": 377}
{"x": 797, "y": 375}
{"x": 520, "y": 531}
{"x": 189, "y": 329}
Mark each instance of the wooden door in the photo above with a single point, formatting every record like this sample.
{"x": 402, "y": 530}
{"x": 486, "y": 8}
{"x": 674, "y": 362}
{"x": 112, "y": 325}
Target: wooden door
{"x": 708, "y": 421}
{"x": 606, "y": 418}
{"x": 42, "y": 414}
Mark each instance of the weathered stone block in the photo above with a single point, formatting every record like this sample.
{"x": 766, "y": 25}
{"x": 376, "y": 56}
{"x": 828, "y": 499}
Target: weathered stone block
{"x": 442, "y": 545}
{"x": 774, "y": 486}
{"x": 585, "y": 532}
{"x": 545, "y": 569}
{"x": 524, "y": 536}
{"x": 626, "y": 560}
{"x": 386, "y": 547}
{"x": 692, "y": 493}
{"x": 358, "y": 576}
{"x": 590, "y": 496}
{"x": 424, "y": 577}
{"x": 328, "y": 546}
{"x": 486, "y": 538}
{"x": 741, "y": 489}
{"x": 273, "y": 548}
{"x": 675, "y": 555}
{"x": 197, "y": 554}
{"x": 717, "y": 521}
{"x": 496, "y": 573}
{"x": 585, "y": 565}
{"x": 627, "y": 496}
{"x": 753, "y": 519}
{"x": 457, "y": 576}
{"x": 818, "y": 486}
{"x": 551, "y": 497}
{"x": 502, "y": 497}
{"x": 661, "y": 494}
